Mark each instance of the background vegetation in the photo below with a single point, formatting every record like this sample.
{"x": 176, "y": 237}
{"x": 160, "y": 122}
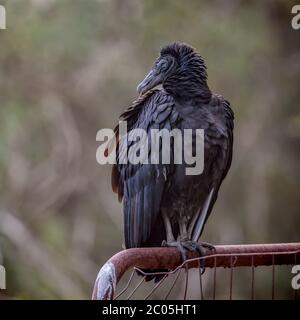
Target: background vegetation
{"x": 68, "y": 68}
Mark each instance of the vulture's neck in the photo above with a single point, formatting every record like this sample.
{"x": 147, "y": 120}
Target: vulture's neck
{"x": 183, "y": 88}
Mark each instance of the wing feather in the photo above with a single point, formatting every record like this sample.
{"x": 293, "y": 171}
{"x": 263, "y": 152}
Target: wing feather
{"x": 227, "y": 147}
{"x": 141, "y": 186}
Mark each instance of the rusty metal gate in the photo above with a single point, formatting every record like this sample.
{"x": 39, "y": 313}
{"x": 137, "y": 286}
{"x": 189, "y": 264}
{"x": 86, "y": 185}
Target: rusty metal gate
{"x": 111, "y": 282}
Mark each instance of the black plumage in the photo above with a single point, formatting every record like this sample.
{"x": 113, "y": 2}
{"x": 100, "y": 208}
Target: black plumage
{"x": 160, "y": 201}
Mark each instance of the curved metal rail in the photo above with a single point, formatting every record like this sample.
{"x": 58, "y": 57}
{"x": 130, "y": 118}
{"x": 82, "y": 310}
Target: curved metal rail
{"x": 169, "y": 258}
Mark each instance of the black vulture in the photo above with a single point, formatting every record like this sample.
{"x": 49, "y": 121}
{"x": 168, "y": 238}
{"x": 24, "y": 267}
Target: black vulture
{"x": 162, "y": 204}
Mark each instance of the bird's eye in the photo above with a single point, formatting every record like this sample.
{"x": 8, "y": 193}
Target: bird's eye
{"x": 162, "y": 65}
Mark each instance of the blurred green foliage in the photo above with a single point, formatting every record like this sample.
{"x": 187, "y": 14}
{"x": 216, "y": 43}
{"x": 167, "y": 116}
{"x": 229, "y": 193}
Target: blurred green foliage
{"x": 68, "y": 68}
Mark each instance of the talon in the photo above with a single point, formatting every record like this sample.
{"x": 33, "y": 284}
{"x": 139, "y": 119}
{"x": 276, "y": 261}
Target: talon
{"x": 164, "y": 243}
{"x": 180, "y": 247}
{"x": 208, "y": 246}
{"x": 202, "y": 248}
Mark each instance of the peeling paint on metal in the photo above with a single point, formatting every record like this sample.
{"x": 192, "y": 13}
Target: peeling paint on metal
{"x": 106, "y": 282}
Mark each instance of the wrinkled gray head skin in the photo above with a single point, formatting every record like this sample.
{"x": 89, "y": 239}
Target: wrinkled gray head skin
{"x": 181, "y": 71}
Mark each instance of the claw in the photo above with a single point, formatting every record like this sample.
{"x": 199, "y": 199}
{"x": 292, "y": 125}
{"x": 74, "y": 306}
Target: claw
{"x": 208, "y": 246}
{"x": 180, "y": 247}
{"x": 184, "y": 246}
{"x": 202, "y": 248}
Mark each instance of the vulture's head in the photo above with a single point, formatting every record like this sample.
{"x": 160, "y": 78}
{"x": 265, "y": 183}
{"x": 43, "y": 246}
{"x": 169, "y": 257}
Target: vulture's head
{"x": 180, "y": 70}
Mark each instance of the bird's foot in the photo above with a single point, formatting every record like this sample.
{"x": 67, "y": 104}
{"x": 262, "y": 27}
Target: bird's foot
{"x": 184, "y": 246}
{"x": 207, "y": 246}
{"x": 202, "y": 248}
{"x": 181, "y": 247}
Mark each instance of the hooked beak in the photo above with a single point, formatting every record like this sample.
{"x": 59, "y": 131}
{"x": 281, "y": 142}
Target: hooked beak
{"x": 149, "y": 82}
